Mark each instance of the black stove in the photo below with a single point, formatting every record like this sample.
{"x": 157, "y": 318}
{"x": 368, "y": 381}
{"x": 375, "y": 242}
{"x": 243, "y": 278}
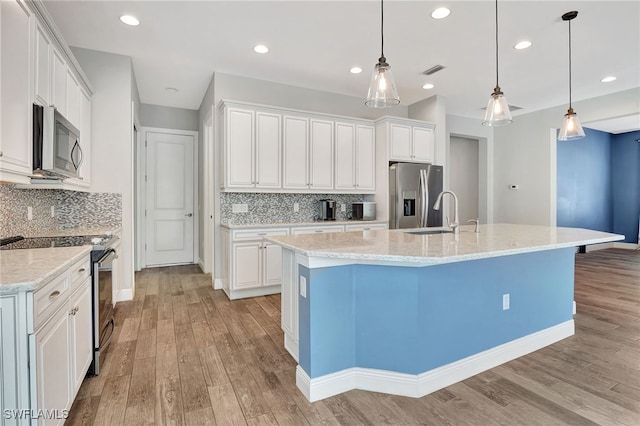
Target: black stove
{"x": 99, "y": 242}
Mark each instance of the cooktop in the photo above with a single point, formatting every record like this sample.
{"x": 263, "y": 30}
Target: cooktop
{"x": 20, "y": 242}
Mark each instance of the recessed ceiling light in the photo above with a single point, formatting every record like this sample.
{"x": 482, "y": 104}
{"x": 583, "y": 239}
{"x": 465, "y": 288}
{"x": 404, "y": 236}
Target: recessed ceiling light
{"x": 171, "y": 89}
{"x": 428, "y": 86}
{"x": 441, "y": 12}
{"x": 608, "y": 79}
{"x": 260, "y": 48}
{"x": 522, "y": 45}
{"x": 355, "y": 70}
{"x": 130, "y": 20}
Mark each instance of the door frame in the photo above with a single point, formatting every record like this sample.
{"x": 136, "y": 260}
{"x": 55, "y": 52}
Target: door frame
{"x": 141, "y": 201}
{"x": 208, "y": 203}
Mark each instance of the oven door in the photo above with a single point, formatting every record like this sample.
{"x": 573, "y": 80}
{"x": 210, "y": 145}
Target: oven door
{"x": 103, "y": 307}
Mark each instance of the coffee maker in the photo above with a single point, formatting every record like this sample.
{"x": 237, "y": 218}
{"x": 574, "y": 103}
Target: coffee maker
{"x": 328, "y": 209}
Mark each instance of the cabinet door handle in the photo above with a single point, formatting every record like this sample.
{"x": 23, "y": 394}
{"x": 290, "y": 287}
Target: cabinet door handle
{"x": 317, "y": 230}
{"x": 188, "y": 214}
{"x": 262, "y": 233}
{"x": 81, "y": 270}
{"x": 54, "y": 295}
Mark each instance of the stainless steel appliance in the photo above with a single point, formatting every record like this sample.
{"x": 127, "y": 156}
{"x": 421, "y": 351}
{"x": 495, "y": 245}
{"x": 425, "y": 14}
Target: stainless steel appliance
{"x": 328, "y": 209}
{"x": 363, "y": 210}
{"x": 413, "y": 189}
{"x": 102, "y": 257}
{"x": 56, "y": 144}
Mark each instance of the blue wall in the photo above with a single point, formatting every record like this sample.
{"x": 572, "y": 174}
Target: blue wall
{"x": 584, "y": 182}
{"x": 412, "y": 320}
{"x": 625, "y": 160}
{"x": 599, "y": 183}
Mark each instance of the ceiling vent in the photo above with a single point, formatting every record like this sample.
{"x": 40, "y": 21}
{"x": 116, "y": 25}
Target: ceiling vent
{"x": 511, "y": 108}
{"x": 433, "y": 70}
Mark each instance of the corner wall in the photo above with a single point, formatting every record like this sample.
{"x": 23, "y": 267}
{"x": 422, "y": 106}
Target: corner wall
{"x": 625, "y": 184}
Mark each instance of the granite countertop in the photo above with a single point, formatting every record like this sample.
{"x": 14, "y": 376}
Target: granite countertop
{"x": 397, "y": 247}
{"x": 29, "y": 269}
{"x": 67, "y": 232}
{"x": 287, "y": 224}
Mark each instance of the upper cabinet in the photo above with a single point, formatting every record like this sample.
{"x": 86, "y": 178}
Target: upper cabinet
{"x": 269, "y": 149}
{"x": 37, "y": 67}
{"x": 408, "y": 140}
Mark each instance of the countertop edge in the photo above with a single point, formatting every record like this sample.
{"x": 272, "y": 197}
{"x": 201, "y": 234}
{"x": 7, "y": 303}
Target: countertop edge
{"x": 233, "y": 226}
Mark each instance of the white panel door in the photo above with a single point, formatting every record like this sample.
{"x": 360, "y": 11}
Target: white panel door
{"x": 400, "y": 144}
{"x": 170, "y": 195}
{"x": 239, "y": 142}
{"x": 345, "y": 156}
{"x": 366, "y": 159}
{"x": 268, "y": 150}
{"x": 272, "y": 254}
{"x": 296, "y": 149}
{"x": 321, "y": 158}
{"x": 246, "y": 265}
{"x": 422, "y": 144}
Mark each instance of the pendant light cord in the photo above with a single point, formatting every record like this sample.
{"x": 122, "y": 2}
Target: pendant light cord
{"x": 382, "y": 28}
{"x": 569, "y": 64}
{"x": 497, "y": 85}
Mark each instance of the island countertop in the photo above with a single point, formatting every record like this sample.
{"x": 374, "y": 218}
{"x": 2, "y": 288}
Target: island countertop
{"x": 402, "y": 248}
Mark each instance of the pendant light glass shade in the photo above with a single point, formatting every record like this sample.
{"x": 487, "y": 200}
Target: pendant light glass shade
{"x": 571, "y": 127}
{"x": 382, "y": 89}
{"x": 498, "y": 113}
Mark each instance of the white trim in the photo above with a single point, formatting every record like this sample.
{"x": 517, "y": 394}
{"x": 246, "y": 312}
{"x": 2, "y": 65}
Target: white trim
{"x": 251, "y": 292}
{"x": 291, "y": 345}
{"x": 574, "y": 307}
{"x": 124, "y": 295}
{"x": 217, "y": 284}
{"x": 417, "y": 386}
{"x": 629, "y": 246}
{"x": 201, "y": 265}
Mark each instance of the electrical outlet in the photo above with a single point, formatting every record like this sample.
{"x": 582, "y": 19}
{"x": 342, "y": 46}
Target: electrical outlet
{"x": 53, "y": 211}
{"x": 303, "y": 286}
{"x": 29, "y": 213}
{"x": 343, "y": 207}
{"x": 505, "y": 302}
{"x": 296, "y": 207}
{"x": 240, "y": 208}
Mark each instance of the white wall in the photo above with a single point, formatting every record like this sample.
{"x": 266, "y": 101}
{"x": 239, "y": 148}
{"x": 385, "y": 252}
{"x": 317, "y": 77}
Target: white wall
{"x": 464, "y": 176}
{"x": 111, "y": 142}
{"x": 168, "y": 117}
{"x": 525, "y": 154}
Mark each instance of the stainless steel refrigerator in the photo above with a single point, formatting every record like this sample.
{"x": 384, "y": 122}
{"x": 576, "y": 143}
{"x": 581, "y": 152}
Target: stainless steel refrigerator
{"x": 413, "y": 189}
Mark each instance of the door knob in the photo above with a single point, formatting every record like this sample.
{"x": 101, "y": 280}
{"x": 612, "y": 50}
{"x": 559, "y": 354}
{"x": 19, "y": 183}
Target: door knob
{"x": 189, "y": 214}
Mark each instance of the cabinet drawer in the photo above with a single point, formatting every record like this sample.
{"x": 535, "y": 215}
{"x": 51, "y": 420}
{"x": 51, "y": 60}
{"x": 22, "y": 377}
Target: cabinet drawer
{"x": 79, "y": 272}
{"x": 363, "y": 227}
{"x": 257, "y": 234}
{"x": 47, "y": 300}
{"x": 317, "y": 229}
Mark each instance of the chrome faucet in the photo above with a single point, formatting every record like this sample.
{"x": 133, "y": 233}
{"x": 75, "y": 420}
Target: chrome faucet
{"x": 455, "y": 225}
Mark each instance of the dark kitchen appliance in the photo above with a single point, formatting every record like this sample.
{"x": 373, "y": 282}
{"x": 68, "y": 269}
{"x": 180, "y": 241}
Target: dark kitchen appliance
{"x": 363, "y": 210}
{"x": 413, "y": 189}
{"x": 102, "y": 257}
{"x": 328, "y": 209}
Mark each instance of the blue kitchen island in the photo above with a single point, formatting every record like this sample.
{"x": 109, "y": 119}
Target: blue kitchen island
{"x": 407, "y": 314}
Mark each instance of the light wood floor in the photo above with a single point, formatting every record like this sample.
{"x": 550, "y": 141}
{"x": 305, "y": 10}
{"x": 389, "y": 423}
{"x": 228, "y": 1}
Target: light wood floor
{"x": 184, "y": 354}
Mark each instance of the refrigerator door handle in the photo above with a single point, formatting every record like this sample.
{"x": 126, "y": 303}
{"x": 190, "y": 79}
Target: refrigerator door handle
{"x": 424, "y": 199}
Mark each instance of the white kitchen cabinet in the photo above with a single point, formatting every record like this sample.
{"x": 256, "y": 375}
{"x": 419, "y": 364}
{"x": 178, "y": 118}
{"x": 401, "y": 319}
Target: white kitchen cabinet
{"x": 321, "y": 154}
{"x": 16, "y": 81}
{"x": 410, "y": 141}
{"x": 58, "y": 81}
{"x": 42, "y": 66}
{"x": 295, "y": 147}
{"x": 253, "y": 149}
{"x": 73, "y": 100}
{"x": 366, "y": 227}
{"x": 252, "y": 266}
{"x": 317, "y": 229}
{"x": 81, "y": 335}
{"x": 355, "y": 158}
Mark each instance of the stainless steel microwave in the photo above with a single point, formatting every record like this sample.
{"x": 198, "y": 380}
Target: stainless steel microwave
{"x": 56, "y": 144}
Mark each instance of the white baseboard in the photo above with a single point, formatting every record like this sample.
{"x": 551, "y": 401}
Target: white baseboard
{"x": 628, "y": 246}
{"x": 124, "y": 295}
{"x": 291, "y": 346}
{"x": 416, "y": 386}
{"x": 201, "y": 265}
{"x": 217, "y": 284}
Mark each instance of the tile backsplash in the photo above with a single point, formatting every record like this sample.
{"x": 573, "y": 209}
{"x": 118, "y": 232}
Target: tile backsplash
{"x": 71, "y": 209}
{"x": 278, "y": 208}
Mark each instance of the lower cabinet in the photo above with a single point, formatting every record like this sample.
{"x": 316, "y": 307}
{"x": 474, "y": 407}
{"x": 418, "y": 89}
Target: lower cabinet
{"x": 252, "y": 266}
{"x": 46, "y": 348}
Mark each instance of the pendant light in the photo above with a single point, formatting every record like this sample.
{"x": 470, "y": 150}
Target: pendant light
{"x": 497, "y": 113}
{"x": 382, "y": 89}
{"x": 571, "y": 127}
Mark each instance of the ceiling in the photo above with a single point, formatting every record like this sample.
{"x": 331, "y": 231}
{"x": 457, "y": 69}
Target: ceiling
{"x": 313, "y": 44}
